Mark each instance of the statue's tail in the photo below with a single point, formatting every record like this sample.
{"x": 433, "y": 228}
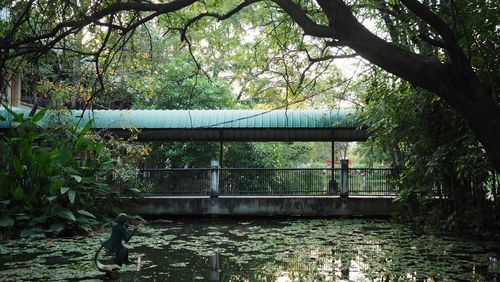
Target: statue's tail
{"x": 97, "y": 263}
{"x": 104, "y": 267}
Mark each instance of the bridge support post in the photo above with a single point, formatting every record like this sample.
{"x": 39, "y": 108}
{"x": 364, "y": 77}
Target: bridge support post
{"x": 214, "y": 178}
{"x": 344, "y": 178}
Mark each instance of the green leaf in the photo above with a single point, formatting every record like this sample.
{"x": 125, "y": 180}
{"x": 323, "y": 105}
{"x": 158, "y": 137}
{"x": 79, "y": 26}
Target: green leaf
{"x": 51, "y": 198}
{"x": 56, "y": 183}
{"x": 6, "y": 221}
{"x": 39, "y": 220}
{"x": 71, "y": 196}
{"x": 38, "y": 116}
{"x": 86, "y": 213}
{"x": 56, "y": 228}
{"x": 16, "y": 117}
{"x": 66, "y": 214}
{"x": 135, "y": 190}
{"x": 33, "y": 232}
{"x": 21, "y": 217}
{"x": 87, "y": 126}
{"x": 17, "y": 165}
{"x": 81, "y": 144}
{"x": 19, "y": 193}
{"x": 64, "y": 190}
{"x": 99, "y": 148}
{"x": 77, "y": 178}
{"x": 435, "y": 98}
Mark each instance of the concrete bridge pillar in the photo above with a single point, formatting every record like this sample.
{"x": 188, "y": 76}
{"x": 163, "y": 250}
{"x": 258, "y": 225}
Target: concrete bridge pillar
{"x": 214, "y": 178}
{"x": 344, "y": 178}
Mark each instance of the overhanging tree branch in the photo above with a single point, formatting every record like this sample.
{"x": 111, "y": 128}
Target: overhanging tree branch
{"x": 219, "y": 17}
{"x": 302, "y": 19}
{"x": 432, "y": 19}
{"x": 85, "y": 20}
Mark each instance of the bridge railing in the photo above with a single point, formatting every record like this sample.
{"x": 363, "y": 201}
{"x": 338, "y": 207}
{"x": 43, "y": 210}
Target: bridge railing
{"x": 175, "y": 181}
{"x": 266, "y": 182}
{"x": 373, "y": 181}
{"x": 277, "y": 181}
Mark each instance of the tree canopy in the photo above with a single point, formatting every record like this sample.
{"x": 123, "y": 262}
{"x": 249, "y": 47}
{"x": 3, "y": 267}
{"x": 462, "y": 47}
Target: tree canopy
{"x": 446, "y": 47}
{"x": 426, "y": 79}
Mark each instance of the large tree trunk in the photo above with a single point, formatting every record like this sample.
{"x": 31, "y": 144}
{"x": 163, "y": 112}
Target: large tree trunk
{"x": 455, "y": 81}
{"x": 471, "y": 99}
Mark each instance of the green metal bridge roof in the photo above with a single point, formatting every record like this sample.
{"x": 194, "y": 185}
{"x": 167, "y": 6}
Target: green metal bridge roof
{"x": 219, "y": 125}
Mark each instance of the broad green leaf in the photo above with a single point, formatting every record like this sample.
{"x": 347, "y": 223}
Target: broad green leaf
{"x": 33, "y": 232}
{"x": 56, "y": 183}
{"x": 81, "y": 144}
{"x": 21, "y": 217}
{"x": 56, "y": 228}
{"x": 86, "y": 213}
{"x": 99, "y": 148}
{"x": 16, "y": 117}
{"x": 66, "y": 214}
{"x": 38, "y": 116}
{"x": 77, "y": 178}
{"x": 64, "y": 190}
{"x": 51, "y": 198}
{"x": 19, "y": 193}
{"x": 135, "y": 190}
{"x": 39, "y": 220}
{"x": 17, "y": 165}
{"x": 87, "y": 126}
{"x": 6, "y": 221}
{"x": 71, "y": 196}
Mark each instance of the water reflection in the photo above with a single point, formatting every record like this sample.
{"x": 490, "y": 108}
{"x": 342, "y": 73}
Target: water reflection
{"x": 264, "y": 250}
{"x": 215, "y": 269}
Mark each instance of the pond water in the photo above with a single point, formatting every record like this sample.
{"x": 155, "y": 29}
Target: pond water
{"x": 212, "y": 249}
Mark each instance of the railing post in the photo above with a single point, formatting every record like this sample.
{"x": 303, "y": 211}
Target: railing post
{"x": 344, "y": 178}
{"x": 214, "y": 178}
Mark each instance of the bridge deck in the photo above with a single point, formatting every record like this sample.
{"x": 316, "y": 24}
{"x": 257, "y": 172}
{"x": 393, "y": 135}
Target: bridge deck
{"x": 264, "y": 206}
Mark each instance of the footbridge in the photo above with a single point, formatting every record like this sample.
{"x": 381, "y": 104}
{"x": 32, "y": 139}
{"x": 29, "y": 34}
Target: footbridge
{"x": 218, "y": 190}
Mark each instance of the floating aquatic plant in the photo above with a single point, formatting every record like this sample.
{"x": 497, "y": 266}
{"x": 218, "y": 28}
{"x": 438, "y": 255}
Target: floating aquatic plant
{"x": 304, "y": 249}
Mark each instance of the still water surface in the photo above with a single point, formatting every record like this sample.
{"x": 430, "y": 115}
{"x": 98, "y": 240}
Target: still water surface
{"x": 262, "y": 250}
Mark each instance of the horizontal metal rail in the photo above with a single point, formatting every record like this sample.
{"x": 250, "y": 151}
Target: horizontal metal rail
{"x": 287, "y": 181}
{"x": 368, "y": 181}
{"x": 266, "y": 181}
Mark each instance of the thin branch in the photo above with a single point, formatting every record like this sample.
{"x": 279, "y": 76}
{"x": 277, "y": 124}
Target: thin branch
{"x": 332, "y": 57}
{"x": 219, "y": 17}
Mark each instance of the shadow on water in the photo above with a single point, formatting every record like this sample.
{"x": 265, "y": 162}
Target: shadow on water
{"x": 211, "y": 249}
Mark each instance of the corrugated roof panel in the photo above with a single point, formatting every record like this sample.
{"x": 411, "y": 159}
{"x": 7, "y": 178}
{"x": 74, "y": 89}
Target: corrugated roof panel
{"x": 161, "y": 119}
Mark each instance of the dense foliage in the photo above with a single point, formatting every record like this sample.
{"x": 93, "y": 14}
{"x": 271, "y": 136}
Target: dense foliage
{"x": 53, "y": 179}
{"x": 415, "y": 131}
{"x": 420, "y": 132}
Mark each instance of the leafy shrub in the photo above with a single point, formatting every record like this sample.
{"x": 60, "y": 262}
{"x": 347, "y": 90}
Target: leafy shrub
{"x": 53, "y": 178}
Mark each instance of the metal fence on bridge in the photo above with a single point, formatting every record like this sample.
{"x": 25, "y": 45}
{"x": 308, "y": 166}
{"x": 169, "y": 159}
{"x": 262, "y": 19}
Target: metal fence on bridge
{"x": 266, "y": 182}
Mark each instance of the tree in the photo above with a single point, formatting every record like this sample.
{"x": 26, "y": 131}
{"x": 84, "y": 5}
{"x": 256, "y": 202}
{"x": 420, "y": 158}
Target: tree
{"x": 449, "y": 73}
{"x": 419, "y": 133}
